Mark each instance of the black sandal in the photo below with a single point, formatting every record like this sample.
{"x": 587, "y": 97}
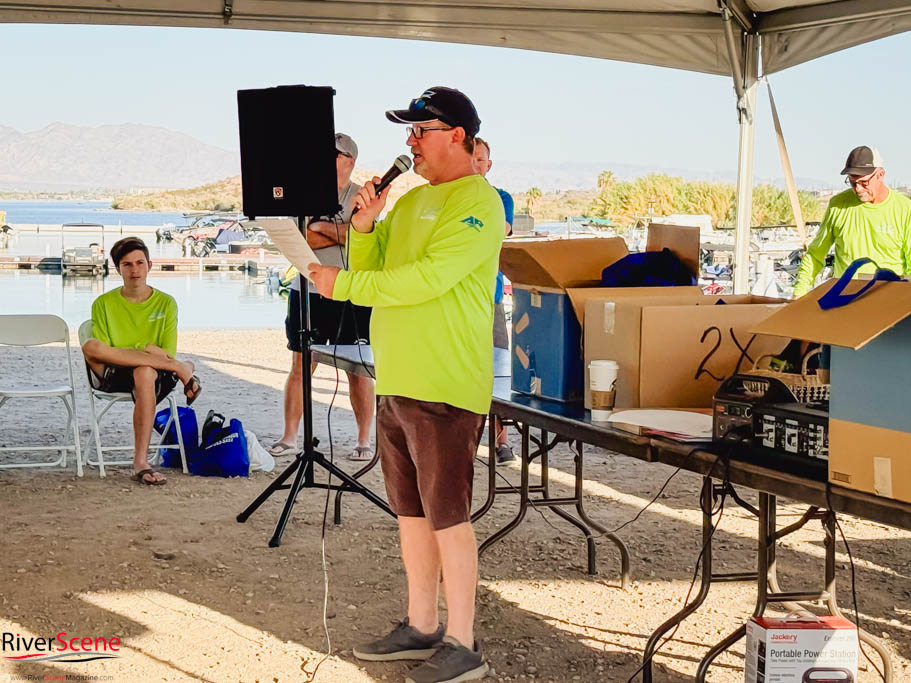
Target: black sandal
{"x": 194, "y": 386}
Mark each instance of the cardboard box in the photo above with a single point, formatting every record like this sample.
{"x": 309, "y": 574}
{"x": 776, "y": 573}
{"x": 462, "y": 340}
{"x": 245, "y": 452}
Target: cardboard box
{"x": 547, "y": 322}
{"x": 869, "y": 414}
{"x": 683, "y": 240}
{"x": 821, "y": 650}
{"x": 675, "y": 352}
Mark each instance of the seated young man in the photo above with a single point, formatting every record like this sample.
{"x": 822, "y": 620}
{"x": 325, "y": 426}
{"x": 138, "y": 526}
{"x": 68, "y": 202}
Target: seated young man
{"x": 134, "y": 348}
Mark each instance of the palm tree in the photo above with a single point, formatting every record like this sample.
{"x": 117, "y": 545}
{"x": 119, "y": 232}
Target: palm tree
{"x": 532, "y": 199}
{"x": 606, "y": 180}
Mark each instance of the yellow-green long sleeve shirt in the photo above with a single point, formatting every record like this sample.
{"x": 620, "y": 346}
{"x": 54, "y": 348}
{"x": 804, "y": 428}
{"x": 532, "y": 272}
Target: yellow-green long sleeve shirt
{"x": 127, "y": 325}
{"x": 858, "y": 229}
{"x": 429, "y": 270}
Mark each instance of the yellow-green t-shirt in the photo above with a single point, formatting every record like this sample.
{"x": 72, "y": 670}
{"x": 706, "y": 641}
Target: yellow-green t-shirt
{"x": 127, "y": 325}
{"x": 429, "y": 271}
{"x": 859, "y": 229}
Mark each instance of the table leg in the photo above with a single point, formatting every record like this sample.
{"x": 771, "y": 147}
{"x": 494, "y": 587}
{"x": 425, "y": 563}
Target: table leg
{"x": 337, "y": 503}
{"x": 832, "y": 603}
{"x": 707, "y": 499}
{"x": 491, "y": 468}
{"x": 768, "y": 589}
{"x": 523, "y": 496}
{"x": 621, "y": 546}
{"x": 765, "y": 552}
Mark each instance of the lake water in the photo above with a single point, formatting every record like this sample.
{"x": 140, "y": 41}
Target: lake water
{"x": 224, "y": 300}
{"x": 207, "y": 301}
{"x": 56, "y": 213}
{"x": 214, "y": 300}
{"x": 51, "y": 243}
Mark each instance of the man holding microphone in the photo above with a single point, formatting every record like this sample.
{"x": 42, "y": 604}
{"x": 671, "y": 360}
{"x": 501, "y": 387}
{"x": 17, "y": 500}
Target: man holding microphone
{"x": 428, "y": 270}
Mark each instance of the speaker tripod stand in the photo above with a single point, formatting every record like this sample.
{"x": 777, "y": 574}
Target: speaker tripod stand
{"x": 305, "y": 463}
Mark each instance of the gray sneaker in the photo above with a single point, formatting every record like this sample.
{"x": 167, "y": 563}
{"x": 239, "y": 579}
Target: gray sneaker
{"x": 404, "y": 642}
{"x": 504, "y": 453}
{"x": 450, "y": 663}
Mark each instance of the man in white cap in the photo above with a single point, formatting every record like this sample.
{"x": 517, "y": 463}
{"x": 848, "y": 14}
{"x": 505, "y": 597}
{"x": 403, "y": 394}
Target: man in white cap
{"x": 867, "y": 221}
{"x": 333, "y": 322}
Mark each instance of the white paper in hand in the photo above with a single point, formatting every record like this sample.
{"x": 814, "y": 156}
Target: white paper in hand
{"x": 288, "y": 239}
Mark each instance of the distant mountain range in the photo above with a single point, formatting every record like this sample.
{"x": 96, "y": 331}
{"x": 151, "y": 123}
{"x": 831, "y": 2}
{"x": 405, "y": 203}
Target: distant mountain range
{"x": 61, "y": 157}
{"x": 126, "y": 157}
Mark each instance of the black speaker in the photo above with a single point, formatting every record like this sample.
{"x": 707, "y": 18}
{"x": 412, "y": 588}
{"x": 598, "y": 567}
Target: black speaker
{"x": 287, "y": 151}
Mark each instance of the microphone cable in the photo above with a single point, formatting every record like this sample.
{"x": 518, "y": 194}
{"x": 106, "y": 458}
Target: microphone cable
{"x": 346, "y": 308}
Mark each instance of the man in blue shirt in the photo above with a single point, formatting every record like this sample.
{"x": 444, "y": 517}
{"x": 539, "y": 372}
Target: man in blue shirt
{"x": 482, "y": 163}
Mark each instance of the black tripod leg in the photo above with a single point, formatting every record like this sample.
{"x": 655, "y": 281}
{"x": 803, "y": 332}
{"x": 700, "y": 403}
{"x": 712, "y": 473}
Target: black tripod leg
{"x": 337, "y": 516}
{"x": 352, "y": 484}
{"x": 269, "y": 490}
{"x": 293, "y": 490}
{"x": 305, "y": 459}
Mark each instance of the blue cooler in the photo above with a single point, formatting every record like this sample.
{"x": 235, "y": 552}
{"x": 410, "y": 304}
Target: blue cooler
{"x": 546, "y": 333}
{"x": 547, "y": 345}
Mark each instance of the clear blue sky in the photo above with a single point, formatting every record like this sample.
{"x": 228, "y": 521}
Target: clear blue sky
{"x": 534, "y": 106}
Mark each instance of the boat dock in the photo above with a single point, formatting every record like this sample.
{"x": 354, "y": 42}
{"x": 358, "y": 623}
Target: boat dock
{"x": 221, "y": 262}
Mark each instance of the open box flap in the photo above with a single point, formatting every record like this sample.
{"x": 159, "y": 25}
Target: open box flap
{"x": 578, "y": 296}
{"x": 852, "y": 326}
{"x": 560, "y": 263}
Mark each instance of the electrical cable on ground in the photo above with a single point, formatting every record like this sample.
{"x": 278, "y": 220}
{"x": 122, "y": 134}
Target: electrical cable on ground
{"x": 716, "y": 511}
{"x": 844, "y": 540}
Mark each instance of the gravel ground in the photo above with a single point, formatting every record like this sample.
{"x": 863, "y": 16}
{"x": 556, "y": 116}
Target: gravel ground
{"x": 193, "y": 595}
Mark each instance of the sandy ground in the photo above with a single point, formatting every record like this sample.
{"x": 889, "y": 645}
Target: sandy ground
{"x": 193, "y": 595}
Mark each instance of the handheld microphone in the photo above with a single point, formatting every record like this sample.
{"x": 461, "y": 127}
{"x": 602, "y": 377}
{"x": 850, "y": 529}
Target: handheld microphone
{"x": 401, "y": 164}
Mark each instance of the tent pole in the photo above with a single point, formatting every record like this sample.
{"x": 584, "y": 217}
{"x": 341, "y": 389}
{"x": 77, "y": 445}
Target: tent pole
{"x": 747, "y": 110}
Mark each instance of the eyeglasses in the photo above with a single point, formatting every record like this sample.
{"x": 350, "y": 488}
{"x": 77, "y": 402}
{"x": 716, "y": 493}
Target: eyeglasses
{"x": 418, "y": 132}
{"x": 863, "y": 181}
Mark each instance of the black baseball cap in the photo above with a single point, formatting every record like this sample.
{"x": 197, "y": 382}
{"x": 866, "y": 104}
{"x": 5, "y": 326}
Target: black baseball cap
{"x": 446, "y": 104}
{"x": 862, "y": 161}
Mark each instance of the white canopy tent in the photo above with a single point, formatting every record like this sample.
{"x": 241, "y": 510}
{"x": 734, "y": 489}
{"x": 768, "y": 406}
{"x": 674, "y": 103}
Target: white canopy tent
{"x": 725, "y": 37}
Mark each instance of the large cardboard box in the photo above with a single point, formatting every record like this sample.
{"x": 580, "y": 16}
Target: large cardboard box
{"x": 674, "y": 352}
{"x": 547, "y": 322}
{"x": 869, "y": 413}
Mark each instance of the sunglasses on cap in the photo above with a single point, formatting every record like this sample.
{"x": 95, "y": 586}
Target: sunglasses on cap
{"x": 421, "y": 104}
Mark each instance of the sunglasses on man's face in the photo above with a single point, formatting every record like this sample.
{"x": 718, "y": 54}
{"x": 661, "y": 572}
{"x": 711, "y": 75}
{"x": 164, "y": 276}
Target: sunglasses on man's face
{"x": 863, "y": 181}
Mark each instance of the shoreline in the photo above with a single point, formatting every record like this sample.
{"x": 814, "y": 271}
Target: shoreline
{"x": 58, "y": 227}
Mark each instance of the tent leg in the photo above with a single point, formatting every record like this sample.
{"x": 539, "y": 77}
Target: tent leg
{"x": 745, "y": 166}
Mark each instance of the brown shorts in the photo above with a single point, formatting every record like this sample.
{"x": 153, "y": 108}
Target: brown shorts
{"x": 427, "y": 453}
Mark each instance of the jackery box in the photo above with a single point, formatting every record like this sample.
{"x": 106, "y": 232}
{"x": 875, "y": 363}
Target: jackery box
{"x": 819, "y": 650}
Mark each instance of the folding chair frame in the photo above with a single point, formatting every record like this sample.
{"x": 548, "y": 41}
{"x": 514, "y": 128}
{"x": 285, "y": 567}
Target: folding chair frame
{"x": 153, "y": 454}
{"x": 13, "y": 336}
{"x": 112, "y": 398}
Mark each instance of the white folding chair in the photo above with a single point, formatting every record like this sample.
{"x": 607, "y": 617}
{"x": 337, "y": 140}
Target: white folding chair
{"x": 85, "y": 333}
{"x": 38, "y": 330}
